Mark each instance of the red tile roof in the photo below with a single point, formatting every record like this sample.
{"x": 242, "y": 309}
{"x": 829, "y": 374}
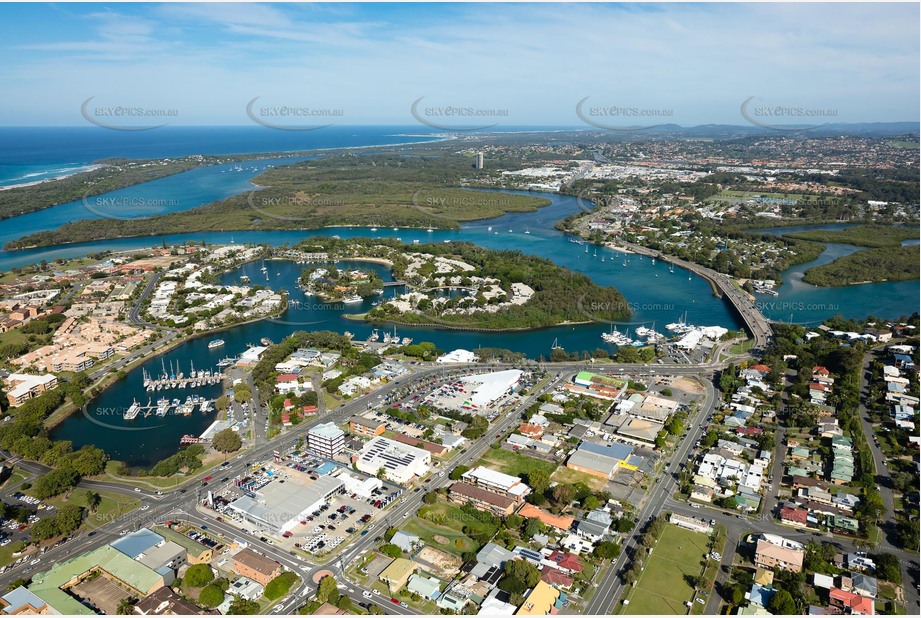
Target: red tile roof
{"x": 555, "y": 577}
{"x": 567, "y": 561}
{"x": 795, "y": 515}
{"x": 856, "y": 603}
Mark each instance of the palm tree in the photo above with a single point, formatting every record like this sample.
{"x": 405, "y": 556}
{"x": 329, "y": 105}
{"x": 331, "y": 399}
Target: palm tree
{"x": 92, "y": 500}
{"x": 125, "y": 606}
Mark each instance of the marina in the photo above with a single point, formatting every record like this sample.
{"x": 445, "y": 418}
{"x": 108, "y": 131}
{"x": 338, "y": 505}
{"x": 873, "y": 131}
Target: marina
{"x": 172, "y": 379}
{"x": 165, "y": 406}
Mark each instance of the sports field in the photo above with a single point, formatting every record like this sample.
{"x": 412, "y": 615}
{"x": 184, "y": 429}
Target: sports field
{"x": 662, "y": 588}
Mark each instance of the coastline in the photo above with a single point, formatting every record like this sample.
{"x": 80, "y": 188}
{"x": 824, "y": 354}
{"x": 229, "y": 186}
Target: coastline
{"x": 88, "y": 167}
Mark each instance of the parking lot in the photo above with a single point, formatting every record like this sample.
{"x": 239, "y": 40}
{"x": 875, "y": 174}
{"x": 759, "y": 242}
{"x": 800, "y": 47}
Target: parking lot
{"x": 12, "y": 530}
{"x": 320, "y": 531}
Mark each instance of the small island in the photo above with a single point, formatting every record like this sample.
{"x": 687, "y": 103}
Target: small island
{"x": 335, "y": 285}
{"x": 459, "y": 285}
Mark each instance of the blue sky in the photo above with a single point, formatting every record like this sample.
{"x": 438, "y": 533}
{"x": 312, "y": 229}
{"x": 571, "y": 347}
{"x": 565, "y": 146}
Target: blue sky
{"x": 536, "y": 61}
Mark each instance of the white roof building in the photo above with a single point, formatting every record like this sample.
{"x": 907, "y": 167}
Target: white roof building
{"x": 458, "y": 356}
{"x": 400, "y": 462}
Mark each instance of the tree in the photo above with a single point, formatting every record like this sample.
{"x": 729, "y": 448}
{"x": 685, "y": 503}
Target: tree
{"x": 523, "y": 571}
{"x": 328, "y": 591}
{"x": 888, "y": 568}
{"x": 430, "y": 498}
{"x": 279, "y": 587}
{"x": 126, "y": 607}
{"x": 55, "y": 482}
{"x": 226, "y": 441}
{"x": 458, "y": 472}
{"x": 391, "y": 550}
{"x": 531, "y": 528}
{"x": 562, "y": 494}
{"x": 591, "y": 503}
{"x": 211, "y": 596}
{"x": 93, "y": 500}
{"x": 607, "y": 550}
{"x": 539, "y": 480}
{"x": 242, "y": 607}
{"x": 345, "y": 604}
{"x": 16, "y": 583}
{"x": 782, "y": 603}
{"x": 198, "y": 575}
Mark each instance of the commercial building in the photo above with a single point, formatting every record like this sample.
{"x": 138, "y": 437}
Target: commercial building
{"x": 400, "y": 462}
{"x": 278, "y": 507}
{"x": 59, "y": 586}
{"x": 497, "y": 482}
{"x": 21, "y": 601}
{"x": 603, "y": 460}
{"x": 325, "y": 440}
{"x": 152, "y": 550}
{"x": 362, "y": 487}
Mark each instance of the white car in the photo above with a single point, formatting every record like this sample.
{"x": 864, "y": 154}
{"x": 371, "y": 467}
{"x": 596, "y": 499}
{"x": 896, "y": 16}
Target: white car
{"x": 145, "y": 507}
{"x": 366, "y": 594}
{"x": 137, "y": 489}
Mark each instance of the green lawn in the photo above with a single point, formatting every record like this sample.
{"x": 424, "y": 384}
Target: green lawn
{"x": 742, "y": 347}
{"x": 662, "y": 588}
{"x": 513, "y": 463}
{"x": 6, "y": 553}
{"x": 451, "y": 528}
{"x": 112, "y": 507}
{"x": 16, "y": 477}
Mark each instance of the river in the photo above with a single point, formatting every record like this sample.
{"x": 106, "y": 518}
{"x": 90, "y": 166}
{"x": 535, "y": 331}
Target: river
{"x": 656, "y": 295}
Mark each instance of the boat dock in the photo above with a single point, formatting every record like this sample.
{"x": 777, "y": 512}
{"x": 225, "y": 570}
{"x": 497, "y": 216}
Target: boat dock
{"x": 165, "y": 406}
{"x": 173, "y": 379}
